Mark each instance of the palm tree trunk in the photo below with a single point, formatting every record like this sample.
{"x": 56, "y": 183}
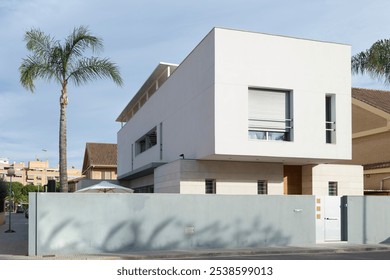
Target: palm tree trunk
{"x": 62, "y": 139}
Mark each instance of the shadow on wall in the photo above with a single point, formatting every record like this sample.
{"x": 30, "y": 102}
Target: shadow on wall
{"x": 169, "y": 234}
{"x": 386, "y": 241}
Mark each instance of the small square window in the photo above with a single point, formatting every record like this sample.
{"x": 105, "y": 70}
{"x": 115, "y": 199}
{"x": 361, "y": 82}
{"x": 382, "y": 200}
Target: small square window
{"x": 332, "y": 189}
{"x": 262, "y": 187}
{"x": 211, "y": 187}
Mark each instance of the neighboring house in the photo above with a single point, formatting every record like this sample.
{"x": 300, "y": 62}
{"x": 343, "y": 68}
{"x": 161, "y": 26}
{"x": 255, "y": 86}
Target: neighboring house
{"x": 100, "y": 161}
{"x": 371, "y": 138}
{"x": 244, "y": 113}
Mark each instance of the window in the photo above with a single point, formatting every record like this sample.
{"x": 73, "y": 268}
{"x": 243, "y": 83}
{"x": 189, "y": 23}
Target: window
{"x": 332, "y": 188}
{"x": 262, "y": 187}
{"x": 269, "y": 115}
{"x": 330, "y": 118}
{"x": 106, "y": 175}
{"x": 211, "y": 187}
{"x": 146, "y": 142}
{"x": 144, "y": 189}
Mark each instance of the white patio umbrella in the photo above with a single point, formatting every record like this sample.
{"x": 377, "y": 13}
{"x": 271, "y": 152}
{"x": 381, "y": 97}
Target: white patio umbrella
{"x": 105, "y": 187}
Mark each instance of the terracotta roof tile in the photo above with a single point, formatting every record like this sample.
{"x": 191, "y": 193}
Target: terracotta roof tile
{"x": 376, "y": 165}
{"x": 379, "y": 99}
{"x": 102, "y": 153}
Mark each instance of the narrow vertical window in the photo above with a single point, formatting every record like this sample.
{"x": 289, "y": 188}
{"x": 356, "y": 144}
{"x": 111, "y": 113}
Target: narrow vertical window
{"x": 330, "y": 118}
{"x": 262, "y": 187}
{"x": 332, "y": 188}
{"x": 211, "y": 187}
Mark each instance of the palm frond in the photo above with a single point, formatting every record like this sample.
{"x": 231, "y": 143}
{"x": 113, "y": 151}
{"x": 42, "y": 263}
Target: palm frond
{"x": 39, "y": 43}
{"x": 33, "y": 68}
{"x": 81, "y": 40}
{"x": 375, "y": 61}
{"x": 88, "y": 69}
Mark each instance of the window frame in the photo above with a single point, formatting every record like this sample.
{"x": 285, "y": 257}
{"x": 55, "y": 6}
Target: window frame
{"x": 213, "y": 186}
{"x": 262, "y": 187}
{"x": 147, "y": 141}
{"x": 270, "y": 129}
{"x": 333, "y": 188}
{"x": 330, "y": 119}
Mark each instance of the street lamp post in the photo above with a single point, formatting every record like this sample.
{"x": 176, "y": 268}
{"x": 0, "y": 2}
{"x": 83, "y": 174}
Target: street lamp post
{"x": 10, "y": 173}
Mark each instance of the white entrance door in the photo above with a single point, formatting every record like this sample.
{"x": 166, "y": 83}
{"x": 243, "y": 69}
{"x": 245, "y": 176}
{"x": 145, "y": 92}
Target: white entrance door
{"x": 332, "y": 218}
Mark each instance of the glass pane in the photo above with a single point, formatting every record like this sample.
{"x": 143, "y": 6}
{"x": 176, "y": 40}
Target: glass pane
{"x": 278, "y": 136}
{"x": 262, "y": 187}
{"x": 260, "y": 135}
{"x": 332, "y": 186}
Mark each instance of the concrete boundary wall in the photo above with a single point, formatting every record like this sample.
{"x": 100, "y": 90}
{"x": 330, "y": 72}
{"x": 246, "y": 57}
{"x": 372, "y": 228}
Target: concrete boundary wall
{"x": 75, "y": 223}
{"x": 367, "y": 219}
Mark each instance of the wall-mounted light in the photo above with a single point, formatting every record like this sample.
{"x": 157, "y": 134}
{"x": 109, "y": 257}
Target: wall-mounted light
{"x": 182, "y": 156}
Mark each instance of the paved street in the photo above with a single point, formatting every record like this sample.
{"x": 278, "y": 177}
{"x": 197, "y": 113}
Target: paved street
{"x": 361, "y": 255}
{"x": 14, "y": 243}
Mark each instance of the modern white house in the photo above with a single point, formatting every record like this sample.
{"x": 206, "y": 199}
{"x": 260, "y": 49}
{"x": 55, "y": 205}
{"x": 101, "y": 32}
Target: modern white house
{"x": 244, "y": 113}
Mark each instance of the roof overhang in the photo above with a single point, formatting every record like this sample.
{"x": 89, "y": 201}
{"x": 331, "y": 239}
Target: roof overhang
{"x": 149, "y": 87}
{"x": 141, "y": 172}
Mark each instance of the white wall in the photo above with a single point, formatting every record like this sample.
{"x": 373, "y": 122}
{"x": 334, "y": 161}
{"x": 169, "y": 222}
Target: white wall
{"x": 126, "y": 223}
{"x": 184, "y": 105}
{"x": 348, "y": 177}
{"x": 310, "y": 69}
{"x": 231, "y": 177}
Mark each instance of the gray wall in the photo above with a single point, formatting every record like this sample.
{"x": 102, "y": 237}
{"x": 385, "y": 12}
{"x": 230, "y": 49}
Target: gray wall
{"x": 81, "y": 223}
{"x": 368, "y": 219}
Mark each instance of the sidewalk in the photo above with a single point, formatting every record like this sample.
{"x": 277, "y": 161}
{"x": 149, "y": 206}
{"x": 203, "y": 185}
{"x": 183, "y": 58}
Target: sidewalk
{"x": 14, "y": 246}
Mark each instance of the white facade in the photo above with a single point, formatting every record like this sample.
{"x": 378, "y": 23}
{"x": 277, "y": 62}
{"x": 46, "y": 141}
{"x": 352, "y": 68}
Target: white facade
{"x": 211, "y": 108}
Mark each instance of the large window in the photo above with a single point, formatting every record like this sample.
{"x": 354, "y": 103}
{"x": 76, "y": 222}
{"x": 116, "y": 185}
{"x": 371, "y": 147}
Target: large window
{"x": 330, "y": 118}
{"x": 269, "y": 114}
{"x": 146, "y": 142}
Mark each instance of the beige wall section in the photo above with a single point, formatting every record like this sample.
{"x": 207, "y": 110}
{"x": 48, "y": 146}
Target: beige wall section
{"x": 231, "y": 177}
{"x": 371, "y": 149}
{"x": 101, "y": 174}
{"x": 142, "y": 181}
{"x": 364, "y": 120}
{"x": 373, "y": 178}
{"x": 167, "y": 178}
{"x": 316, "y": 178}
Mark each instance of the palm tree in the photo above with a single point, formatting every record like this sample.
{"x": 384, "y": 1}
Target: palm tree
{"x": 63, "y": 63}
{"x": 375, "y": 61}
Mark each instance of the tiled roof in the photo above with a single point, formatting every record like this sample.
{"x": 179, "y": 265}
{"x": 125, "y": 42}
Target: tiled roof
{"x": 376, "y": 165}
{"x": 101, "y": 154}
{"x": 379, "y": 99}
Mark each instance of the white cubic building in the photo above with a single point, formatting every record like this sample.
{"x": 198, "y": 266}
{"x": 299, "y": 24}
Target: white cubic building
{"x": 244, "y": 113}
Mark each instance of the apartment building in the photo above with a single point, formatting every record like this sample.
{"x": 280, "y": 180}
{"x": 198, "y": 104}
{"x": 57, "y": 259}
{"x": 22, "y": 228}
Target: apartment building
{"x": 244, "y": 113}
{"x": 35, "y": 172}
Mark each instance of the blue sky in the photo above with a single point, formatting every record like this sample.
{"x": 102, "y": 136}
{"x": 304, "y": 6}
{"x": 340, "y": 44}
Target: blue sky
{"x": 137, "y": 36}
